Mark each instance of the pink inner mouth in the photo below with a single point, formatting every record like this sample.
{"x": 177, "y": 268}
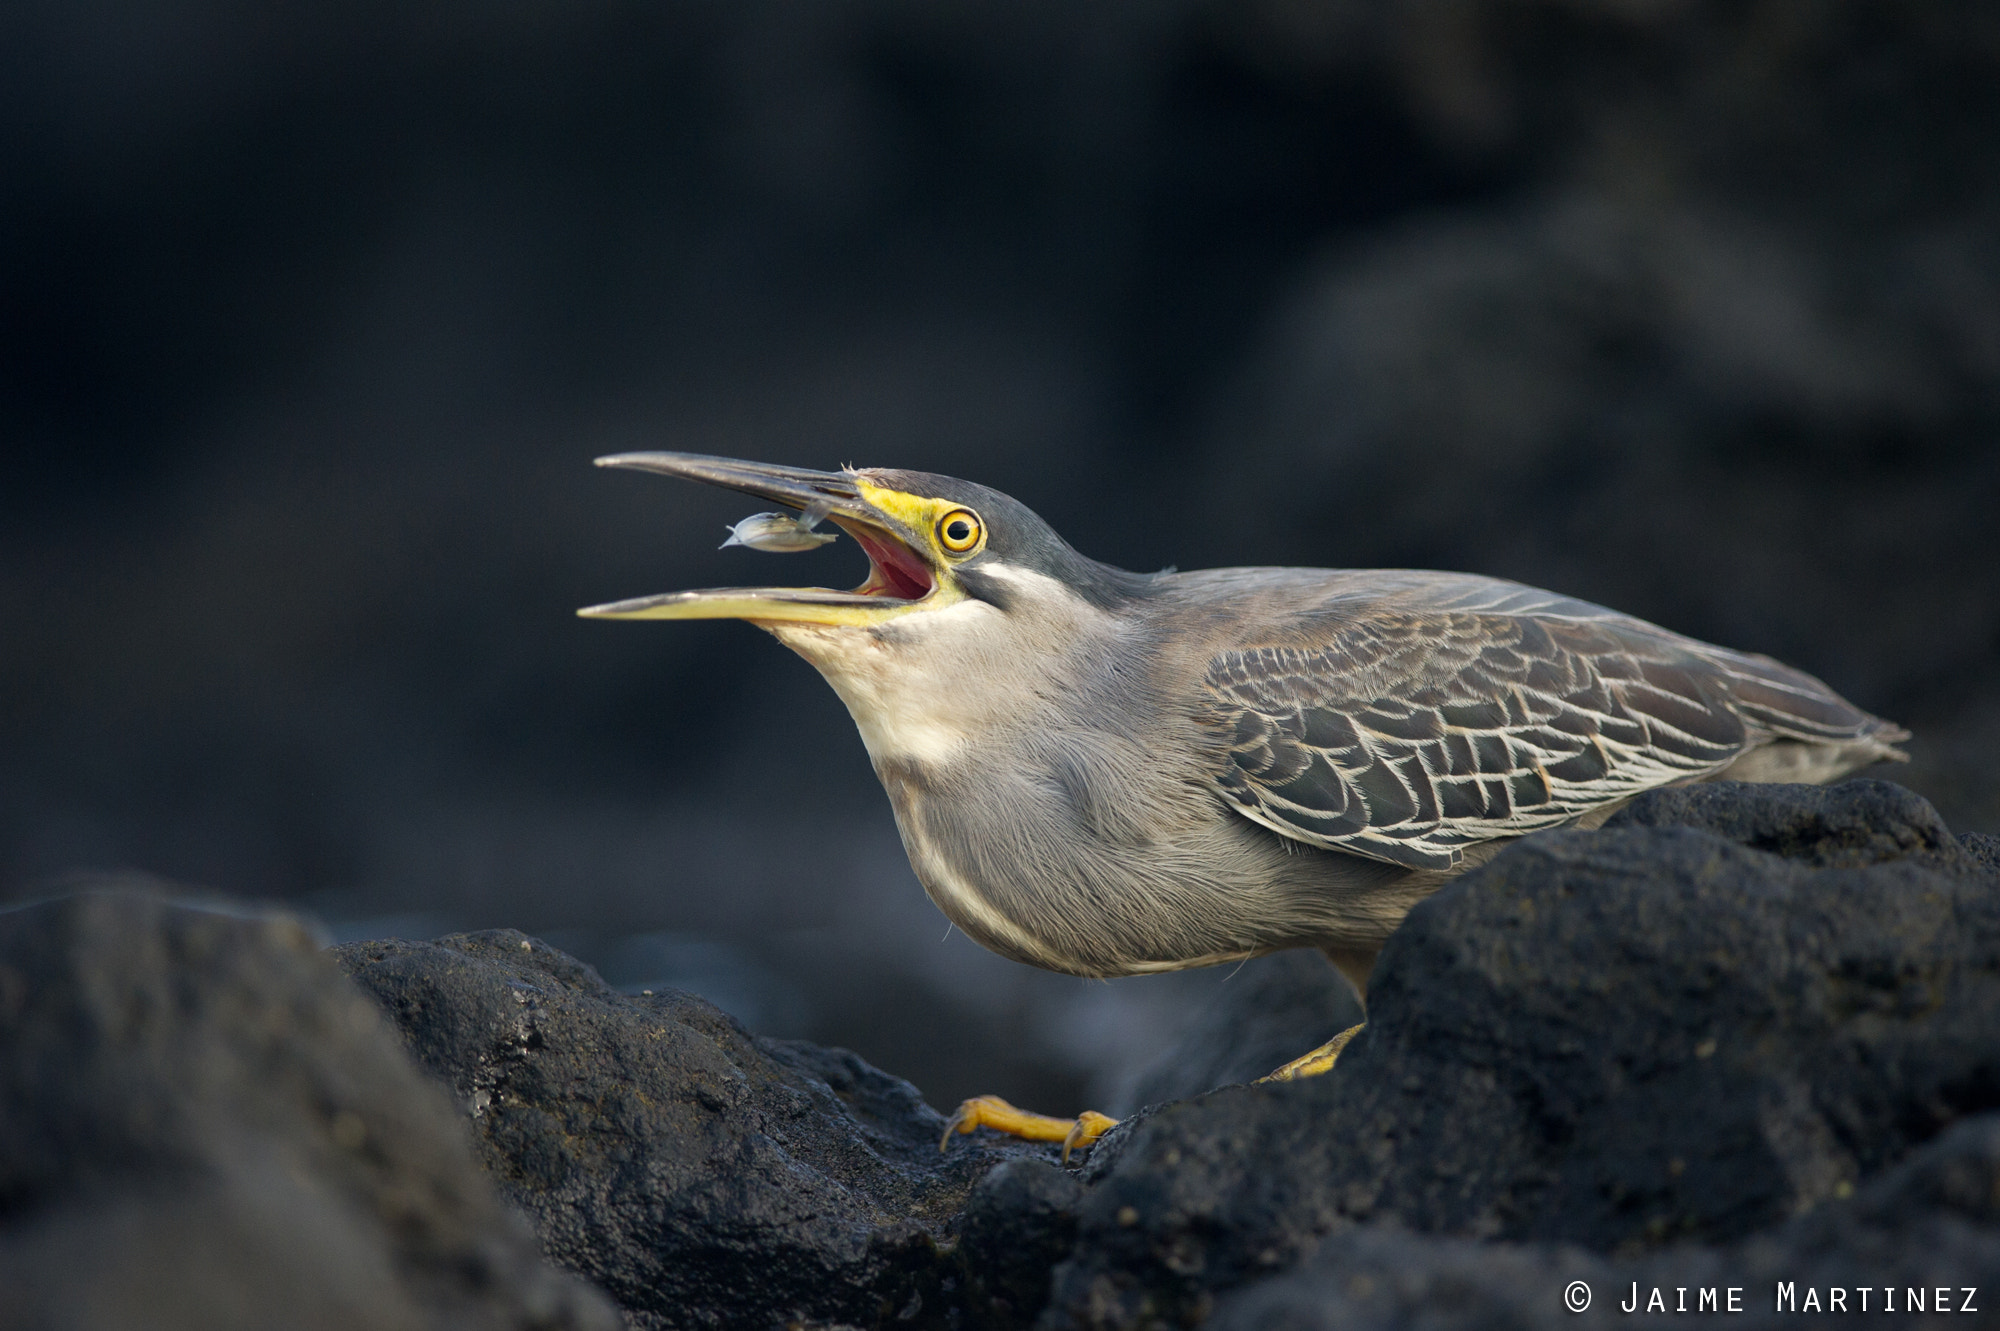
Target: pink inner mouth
{"x": 893, "y": 570}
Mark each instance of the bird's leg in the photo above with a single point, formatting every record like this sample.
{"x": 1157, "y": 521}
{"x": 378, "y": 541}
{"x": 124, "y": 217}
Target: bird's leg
{"x": 1318, "y": 1061}
{"x": 1356, "y": 964}
{"x": 990, "y": 1111}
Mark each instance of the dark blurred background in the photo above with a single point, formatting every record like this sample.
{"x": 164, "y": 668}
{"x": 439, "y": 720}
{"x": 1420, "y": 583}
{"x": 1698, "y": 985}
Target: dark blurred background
{"x": 312, "y": 317}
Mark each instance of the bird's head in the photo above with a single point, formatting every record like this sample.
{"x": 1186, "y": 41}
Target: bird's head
{"x": 933, "y": 543}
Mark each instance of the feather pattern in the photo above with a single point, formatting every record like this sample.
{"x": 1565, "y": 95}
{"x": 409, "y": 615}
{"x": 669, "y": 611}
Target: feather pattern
{"x": 1407, "y": 732}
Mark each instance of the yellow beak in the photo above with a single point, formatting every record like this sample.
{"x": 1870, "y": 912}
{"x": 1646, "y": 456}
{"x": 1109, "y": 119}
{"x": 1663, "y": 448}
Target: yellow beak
{"x": 900, "y": 577}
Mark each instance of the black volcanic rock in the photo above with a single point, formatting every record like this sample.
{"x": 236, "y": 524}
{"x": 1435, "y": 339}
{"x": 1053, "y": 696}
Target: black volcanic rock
{"x": 1930, "y": 1223}
{"x": 1615, "y": 1039}
{"x": 1761, "y": 1020}
{"x": 1849, "y": 825}
{"x": 204, "y": 1126}
{"x": 1983, "y": 851}
{"x": 701, "y": 1175}
{"x": 1019, "y": 1222}
{"x": 1740, "y": 1035}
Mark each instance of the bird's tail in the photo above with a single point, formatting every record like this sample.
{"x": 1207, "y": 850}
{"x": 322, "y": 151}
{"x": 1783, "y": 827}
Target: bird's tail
{"x": 1815, "y": 734}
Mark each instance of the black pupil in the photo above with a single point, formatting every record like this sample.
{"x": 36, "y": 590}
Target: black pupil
{"x": 958, "y": 529}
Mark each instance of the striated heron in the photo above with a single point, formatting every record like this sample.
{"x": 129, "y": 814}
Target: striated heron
{"x": 1111, "y": 773}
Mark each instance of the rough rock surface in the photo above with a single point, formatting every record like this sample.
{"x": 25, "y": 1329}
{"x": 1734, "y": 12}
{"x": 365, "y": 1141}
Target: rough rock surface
{"x": 1742, "y": 1035}
{"x": 1931, "y": 1223}
{"x": 703, "y": 1176}
{"x": 1615, "y": 1039}
{"x": 203, "y": 1126}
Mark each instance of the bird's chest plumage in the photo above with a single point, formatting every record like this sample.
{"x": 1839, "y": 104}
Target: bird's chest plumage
{"x": 956, "y": 885}
{"x": 1006, "y": 790}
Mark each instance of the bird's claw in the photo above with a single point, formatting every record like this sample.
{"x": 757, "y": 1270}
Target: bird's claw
{"x": 990, "y": 1111}
{"x": 1089, "y": 1126}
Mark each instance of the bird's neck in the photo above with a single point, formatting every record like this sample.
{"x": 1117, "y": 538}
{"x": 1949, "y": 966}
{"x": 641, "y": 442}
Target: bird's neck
{"x": 927, "y": 688}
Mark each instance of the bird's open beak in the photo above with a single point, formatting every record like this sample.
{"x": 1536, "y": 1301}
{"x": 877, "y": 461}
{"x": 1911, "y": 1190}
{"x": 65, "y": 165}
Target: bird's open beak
{"x": 899, "y": 576}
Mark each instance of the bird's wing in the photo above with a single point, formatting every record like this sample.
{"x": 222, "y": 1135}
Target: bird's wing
{"x": 1406, "y": 734}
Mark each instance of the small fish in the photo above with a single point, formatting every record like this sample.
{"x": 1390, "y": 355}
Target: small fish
{"x": 781, "y": 533}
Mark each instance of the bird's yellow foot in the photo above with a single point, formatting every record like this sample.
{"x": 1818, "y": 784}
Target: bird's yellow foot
{"x": 990, "y": 1111}
{"x": 1318, "y": 1061}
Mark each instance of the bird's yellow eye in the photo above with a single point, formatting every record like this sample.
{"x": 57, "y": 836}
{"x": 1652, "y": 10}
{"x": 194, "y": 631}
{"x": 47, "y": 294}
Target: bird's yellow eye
{"x": 959, "y": 530}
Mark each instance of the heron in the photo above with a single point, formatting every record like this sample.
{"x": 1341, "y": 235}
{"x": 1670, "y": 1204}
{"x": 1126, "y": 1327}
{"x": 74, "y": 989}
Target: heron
{"x": 1109, "y": 773}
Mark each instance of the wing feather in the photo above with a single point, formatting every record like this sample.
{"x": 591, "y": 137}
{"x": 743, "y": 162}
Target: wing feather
{"x": 1405, "y": 735}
